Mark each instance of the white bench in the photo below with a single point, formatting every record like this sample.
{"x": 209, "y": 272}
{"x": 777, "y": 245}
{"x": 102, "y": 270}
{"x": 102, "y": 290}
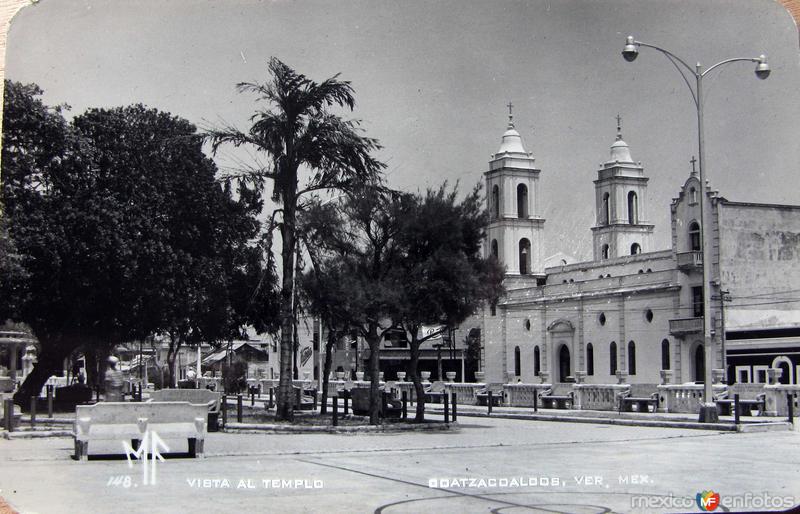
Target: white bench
{"x": 125, "y": 421}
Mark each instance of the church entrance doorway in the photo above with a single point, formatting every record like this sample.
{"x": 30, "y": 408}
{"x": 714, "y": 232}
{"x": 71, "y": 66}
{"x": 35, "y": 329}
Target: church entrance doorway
{"x": 564, "y": 369}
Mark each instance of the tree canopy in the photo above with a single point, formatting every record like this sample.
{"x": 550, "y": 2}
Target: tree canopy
{"x": 124, "y": 230}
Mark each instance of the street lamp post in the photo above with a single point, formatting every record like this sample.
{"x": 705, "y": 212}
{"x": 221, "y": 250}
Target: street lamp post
{"x": 630, "y": 52}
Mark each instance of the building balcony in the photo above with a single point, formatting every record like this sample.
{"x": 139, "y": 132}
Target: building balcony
{"x": 688, "y": 261}
{"x": 684, "y": 326}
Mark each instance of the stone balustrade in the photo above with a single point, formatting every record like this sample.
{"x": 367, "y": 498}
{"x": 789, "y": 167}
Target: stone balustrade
{"x": 466, "y": 393}
{"x": 599, "y": 396}
{"x": 685, "y": 398}
{"x": 777, "y": 403}
{"x": 524, "y": 395}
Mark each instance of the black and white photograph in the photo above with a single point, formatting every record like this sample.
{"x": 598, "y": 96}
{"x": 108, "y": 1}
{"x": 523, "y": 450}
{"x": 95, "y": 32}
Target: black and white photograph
{"x": 458, "y": 256}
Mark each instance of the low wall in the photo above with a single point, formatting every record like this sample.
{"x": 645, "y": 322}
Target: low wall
{"x": 599, "y": 396}
{"x": 777, "y": 399}
{"x": 524, "y": 395}
{"x": 685, "y": 398}
{"x": 466, "y": 393}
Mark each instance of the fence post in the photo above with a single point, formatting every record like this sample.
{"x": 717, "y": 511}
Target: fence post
{"x": 33, "y": 411}
{"x": 225, "y": 411}
{"x": 446, "y": 408}
{"x": 404, "y": 397}
{"x": 271, "y": 397}
{"x": 736, "y": 409}
{"x": 346, "y": 395}
{"x": 455, "y": 408}
{"x": 790, "y": 405}
{"x": 489, "y": 401}
{"x": 50, "y": 400}
{"x": 335, "y": 419}
{"x": 8, "y": 414}
{"x": 252, "y": 396}
{"x": 239, "y": 408}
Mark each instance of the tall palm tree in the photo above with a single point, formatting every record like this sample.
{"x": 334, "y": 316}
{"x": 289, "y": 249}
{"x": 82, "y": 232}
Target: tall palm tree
{"x": 297, "y": 132}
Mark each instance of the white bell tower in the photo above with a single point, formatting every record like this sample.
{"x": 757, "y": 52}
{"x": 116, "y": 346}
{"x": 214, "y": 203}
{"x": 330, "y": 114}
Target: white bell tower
{"x": 621, "y": 200}
{"x": 514, "y": 234}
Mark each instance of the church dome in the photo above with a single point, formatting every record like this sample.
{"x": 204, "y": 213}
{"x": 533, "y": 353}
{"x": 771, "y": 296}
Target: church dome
{"x": 620, "y": 152}
{"x": 512, "y": 141}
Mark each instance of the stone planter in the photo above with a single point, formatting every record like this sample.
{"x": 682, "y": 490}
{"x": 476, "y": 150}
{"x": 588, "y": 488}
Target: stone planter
{"x": 401, "y": 376}
{"x": 717, "y": 376}
{"x": 544, "y": 376}
{"x": 622, "y": 377}
{"x": 666, "y": 376}
{"x": 340, "y": 375}
{"x": 426, "y": 376}
{"x": 451, "y": 376}
{"x": 306, "y": 376}
{"x": 512, "y": 378}
{"x": 580, "y": 377}
{"x": 360, "y": 376}
{"x": 480, "y": 377}
{"x": 380, "y": 376}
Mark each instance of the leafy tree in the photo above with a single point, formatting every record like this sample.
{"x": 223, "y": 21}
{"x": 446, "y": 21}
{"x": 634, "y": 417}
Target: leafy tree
{"x": 303, "y": 140}
{"x": 444, "y": 278}
{"x": 123, "y": 230}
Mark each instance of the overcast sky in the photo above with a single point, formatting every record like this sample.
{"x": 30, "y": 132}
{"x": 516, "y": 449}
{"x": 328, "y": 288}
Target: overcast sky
{"x": 432, "y": 80}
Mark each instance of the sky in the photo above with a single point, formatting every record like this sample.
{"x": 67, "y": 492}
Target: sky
{"x": 432, "y": 80}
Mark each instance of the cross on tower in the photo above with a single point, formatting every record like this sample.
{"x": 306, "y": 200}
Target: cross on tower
{"x": 693, "y": 161}
{"x": 510, "y": 107}
{"x": 619, "y": 127}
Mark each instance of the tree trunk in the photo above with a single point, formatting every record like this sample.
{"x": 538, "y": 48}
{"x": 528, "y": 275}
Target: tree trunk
{"x": 326, "y": 370}
{"x": 418, "y": 389}
{"x": 50, "y": 361}
{"x": 172, "y": 353}
{"x": 285, "y": 411}
{"x": 374, "y": 342}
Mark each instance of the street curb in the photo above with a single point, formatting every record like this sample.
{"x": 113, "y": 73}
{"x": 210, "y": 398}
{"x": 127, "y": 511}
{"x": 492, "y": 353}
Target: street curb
{"x": 269, "y": 428}
{"x": 36, "y": 434}
{"x": 721, "y": 427}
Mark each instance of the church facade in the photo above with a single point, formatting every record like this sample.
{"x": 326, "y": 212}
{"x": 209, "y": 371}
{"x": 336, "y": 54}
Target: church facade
{"x": 633, "y": 311}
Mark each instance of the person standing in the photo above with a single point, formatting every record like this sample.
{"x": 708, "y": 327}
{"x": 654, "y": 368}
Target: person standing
{"x": 113, "y": 381}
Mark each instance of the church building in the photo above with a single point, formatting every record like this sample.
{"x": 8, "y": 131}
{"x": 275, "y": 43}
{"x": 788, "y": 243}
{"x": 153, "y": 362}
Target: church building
{"x": 634, "y": 310}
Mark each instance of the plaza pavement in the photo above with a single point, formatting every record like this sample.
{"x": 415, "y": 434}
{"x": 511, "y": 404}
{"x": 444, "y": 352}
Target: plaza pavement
{"x": 391, "y": 473}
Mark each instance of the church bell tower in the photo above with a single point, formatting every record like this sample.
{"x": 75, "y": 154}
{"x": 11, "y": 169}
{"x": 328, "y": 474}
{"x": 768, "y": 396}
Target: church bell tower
{"x": 514, "y": 234}
{"x": 620, "y": 198}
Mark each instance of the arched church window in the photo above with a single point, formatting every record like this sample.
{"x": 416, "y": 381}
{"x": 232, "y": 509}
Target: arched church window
{"x": 495, "y": 250}
{"x": 694, "y": 236}
{"x": 606, "y": 214}
{"x": 536, "y": 361}
{"x": 522, "y": 201}
{"x": 636, "y": 249}
{"x": 496, "y": 201}
{"x": 665, "y": 354}
{"x": 631, "y": 358}
{"x": 517, "y": 363}
{"x": 633, "y": 208}
{"x": 589, "y": 359}
{"x": 604, "y": 252}
{"x": 692, "y": 195}
{"x": 612, "y": 359}
{"x": 524, "y": 256}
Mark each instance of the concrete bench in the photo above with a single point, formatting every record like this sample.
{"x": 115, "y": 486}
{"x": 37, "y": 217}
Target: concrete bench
{"x": 123, "y": 421}
{"x": 557, "y": 401}
{"x": 746, "y": 406}
{"x": 639, "y": 398}
{"x": 498, "y": 395}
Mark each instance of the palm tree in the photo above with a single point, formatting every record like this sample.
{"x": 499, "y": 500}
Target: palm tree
{"x": 297, "y": 133}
